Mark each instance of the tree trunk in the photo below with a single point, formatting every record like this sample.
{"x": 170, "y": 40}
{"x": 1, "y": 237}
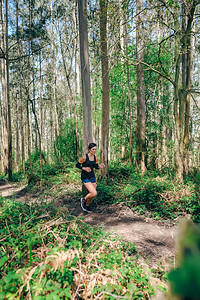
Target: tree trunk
{"x": 181, "y": 93}
{"x": 105, "y": 87}
{"x": 17, "y": 156}
{"x": 6, "y": 92}
{"x": 41, "y": 105}
{"x": 28, "y": 119}
{"x": 2, "y": 138}
{"x": 77, "y": 62}
{"x": 20, "y": 93}
{"x": 177, "y": 145}
{"x": 188, "y": 34}
{"x": 4, "y": 96}
{"x": 85, "y": 74}
{"x": 8, "y": 102}
{"x": 141, "y": 110}
{"x": 129, "y": 97}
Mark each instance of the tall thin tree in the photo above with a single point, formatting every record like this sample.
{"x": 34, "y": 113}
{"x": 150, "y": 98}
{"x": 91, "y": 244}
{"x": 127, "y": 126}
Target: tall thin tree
{"x": 85, "y": 74}
{"x": 105, "y": 86}
{"x": 141, "y": 110}
{"x": 6, "y": 91}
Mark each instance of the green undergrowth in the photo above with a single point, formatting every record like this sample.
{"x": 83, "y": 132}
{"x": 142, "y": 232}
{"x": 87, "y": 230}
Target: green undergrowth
{"x": 159, "y": 195}
{"x": 47, "y": 254}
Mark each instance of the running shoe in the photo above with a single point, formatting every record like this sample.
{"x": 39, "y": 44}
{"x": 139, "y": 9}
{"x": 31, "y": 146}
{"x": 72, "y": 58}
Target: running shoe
{"x": 83, "y": 204}
{"x": 89, "y": 210}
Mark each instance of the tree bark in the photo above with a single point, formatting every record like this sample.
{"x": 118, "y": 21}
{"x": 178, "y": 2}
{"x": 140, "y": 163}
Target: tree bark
{"x": 8, "y": 102}
{"x": 28, "y": 119}
{"x": 181, "y": 92}
{"x": 129, "y": 97}
{"x": 141, "y": 110}
{"x": 6, "y": 92}
{"x": 41, "y": 105}
{"x": 105, "y": 87}
{"x": 20, "y": 93}
{"x": 187, "y": 88}
{"x": 4, "y": 96}
{"x": 85, "y": 74}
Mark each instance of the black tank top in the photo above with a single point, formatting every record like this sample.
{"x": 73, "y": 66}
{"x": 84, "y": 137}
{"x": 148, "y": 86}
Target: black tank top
{"x": 90, "y": 164}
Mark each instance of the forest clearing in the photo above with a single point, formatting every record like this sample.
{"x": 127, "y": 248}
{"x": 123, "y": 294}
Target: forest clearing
{"x": 100, "y": 149}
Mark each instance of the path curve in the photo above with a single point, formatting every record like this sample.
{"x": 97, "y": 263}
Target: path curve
{"x": 154, "y": 240}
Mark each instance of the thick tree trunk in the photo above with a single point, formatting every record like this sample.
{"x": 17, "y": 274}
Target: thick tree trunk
{"x": 105, "y": 87}
{"x": 141, "y": 110}
{"x": 85, "y": 74}
{"x": 6, "y": 92}
{"x": 1, "y": 138}
{"x": 181, "y": 93}
{"x": 5, "y": 122}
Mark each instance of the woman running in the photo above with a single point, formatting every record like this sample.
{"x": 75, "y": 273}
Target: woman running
{"x": 89, "y": 161}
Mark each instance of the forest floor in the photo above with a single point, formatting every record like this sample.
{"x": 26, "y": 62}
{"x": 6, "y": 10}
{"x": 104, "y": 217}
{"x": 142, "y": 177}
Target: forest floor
{"x": 154, "y": 239}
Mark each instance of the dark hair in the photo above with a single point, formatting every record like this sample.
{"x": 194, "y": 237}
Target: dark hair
{"x": 91, "y": 145}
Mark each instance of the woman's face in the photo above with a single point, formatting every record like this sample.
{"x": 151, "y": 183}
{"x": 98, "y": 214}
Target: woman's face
{"x": 93, "y": 150}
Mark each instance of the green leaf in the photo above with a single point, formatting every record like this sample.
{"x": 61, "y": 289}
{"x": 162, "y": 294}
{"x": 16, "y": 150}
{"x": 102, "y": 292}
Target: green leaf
{"x": 52, "y": 296}
{"x": 66, "y": 293}
{"x": 3, "y": 260}
{"x": 10, "y": 277}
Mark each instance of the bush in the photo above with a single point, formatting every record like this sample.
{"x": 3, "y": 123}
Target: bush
{"x": 40, "y": 172}
{"x": 66, "y": 142}
{"x": 105, "y": 192}
{"x": 158, "y": 195}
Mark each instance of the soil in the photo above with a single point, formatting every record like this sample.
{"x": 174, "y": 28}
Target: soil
{"x": 154, "y": 240}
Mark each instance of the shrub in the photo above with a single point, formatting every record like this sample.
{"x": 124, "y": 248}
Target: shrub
{"x": 105, "y": 192}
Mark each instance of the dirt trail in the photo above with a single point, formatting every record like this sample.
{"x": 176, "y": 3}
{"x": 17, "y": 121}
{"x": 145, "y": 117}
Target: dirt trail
{"x": 155, "y": 240}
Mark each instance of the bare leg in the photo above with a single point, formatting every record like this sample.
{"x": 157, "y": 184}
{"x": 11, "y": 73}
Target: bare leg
{"x": 91, "y": 187}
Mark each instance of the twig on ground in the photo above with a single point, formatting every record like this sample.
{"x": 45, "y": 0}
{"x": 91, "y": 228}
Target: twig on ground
{"x": 78, "y": 283}
{"x": 113, "y": 295}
